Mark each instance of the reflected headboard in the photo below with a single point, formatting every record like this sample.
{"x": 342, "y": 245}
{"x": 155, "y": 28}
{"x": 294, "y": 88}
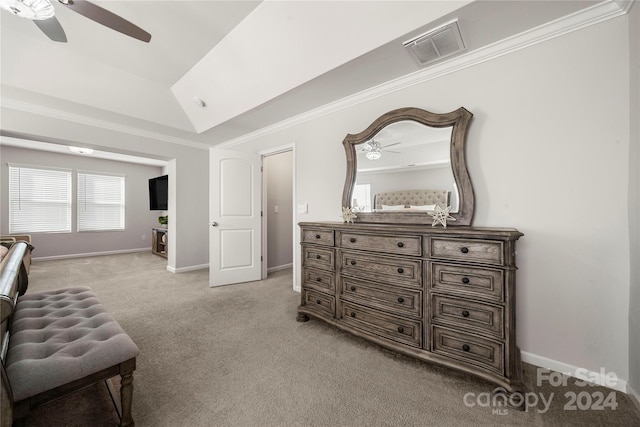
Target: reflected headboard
{"x": 410, "y": 198}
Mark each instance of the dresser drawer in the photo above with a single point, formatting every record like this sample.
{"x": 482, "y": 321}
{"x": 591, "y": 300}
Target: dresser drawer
{"x": 481, "y": 251}
{"x": 468, "y": 314}
{"x": 318, "y": 279}
{"x": 317, "y": 236}
{"x": 313, "y": 256}
{"x": 401, "y": 245}
{"x": 319, "y": 302}
{"x": 395, "y": 328}
{"x": 483, "y": 283}
{"x": 470, "y": 349}
{"x": 391, "y": 298}
{"x": 382, "y": 269}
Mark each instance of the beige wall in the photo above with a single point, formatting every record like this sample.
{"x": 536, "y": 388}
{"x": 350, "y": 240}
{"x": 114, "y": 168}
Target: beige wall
{"x": 138, "y": 218}
{"x": 188, "y": 171}
{"x": 548, "y": 154}
{"x": 278, "y": 173}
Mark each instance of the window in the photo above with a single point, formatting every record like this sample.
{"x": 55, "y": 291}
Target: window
{"x": 100, "y": 202}
{"x": 39, "y": 200}
{"x": 361, "y": 198}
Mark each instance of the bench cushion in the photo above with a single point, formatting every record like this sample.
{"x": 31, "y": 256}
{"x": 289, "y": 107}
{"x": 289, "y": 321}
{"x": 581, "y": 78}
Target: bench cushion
{"x": 61, "y": 336}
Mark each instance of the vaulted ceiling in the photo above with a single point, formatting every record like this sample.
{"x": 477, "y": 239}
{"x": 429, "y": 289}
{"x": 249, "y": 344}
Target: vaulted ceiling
{"x": 252, "y": 63}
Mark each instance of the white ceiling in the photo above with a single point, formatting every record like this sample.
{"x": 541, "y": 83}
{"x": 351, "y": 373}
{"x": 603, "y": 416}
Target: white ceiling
{"x": 254, "y": 63}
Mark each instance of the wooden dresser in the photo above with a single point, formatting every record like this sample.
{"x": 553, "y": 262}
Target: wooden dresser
{"x": 445, "y": 296}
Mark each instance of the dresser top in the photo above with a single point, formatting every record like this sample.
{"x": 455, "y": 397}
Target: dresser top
{"x": 451, "y": 231}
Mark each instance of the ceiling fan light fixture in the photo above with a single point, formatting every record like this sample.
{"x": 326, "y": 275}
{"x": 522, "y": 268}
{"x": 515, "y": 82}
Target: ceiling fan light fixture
{"x": 35, "y": 10}
{"x": 373, "y": 154}
{"x": 374, "y": 150}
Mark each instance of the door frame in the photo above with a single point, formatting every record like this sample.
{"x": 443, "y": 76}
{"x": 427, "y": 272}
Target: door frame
{"x": 266, "y": 153}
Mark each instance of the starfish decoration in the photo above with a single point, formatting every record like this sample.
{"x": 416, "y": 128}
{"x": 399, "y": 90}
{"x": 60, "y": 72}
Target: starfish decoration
{"x": 441, "y": 216}
{"x": 348, "y": 215}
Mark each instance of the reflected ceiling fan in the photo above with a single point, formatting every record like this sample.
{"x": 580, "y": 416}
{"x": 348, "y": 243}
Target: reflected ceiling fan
{"x": 373, "y": 149}
{"x": 42, "y": 13}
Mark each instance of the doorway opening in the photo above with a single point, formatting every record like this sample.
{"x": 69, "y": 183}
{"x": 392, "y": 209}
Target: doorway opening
{"x": 278, "y": 214}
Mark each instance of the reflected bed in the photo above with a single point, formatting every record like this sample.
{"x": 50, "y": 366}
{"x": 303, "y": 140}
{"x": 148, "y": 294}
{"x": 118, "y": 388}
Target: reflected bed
{"x": 410, "y": 200}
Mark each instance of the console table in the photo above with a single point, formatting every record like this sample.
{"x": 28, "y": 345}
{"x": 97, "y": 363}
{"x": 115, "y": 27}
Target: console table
{"x": 159, "y": 242}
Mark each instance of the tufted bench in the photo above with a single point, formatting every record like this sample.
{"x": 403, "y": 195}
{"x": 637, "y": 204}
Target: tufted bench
{"x": 61, "y": 341}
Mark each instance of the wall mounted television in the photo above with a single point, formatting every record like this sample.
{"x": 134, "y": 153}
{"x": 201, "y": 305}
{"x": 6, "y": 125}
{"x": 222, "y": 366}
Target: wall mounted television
{"x": 159, "y": 193}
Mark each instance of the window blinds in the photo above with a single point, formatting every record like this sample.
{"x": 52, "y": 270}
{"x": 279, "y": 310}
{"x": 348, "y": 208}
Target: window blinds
{"x": 39, "y": 200}
{"x": 361, "y": 197}
{"x": 100, "y": 202}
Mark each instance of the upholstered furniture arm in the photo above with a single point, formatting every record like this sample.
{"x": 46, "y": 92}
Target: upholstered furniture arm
{"x": 56, "y": 342}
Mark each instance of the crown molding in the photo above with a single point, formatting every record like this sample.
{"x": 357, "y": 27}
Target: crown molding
{"x": 624, "y": 5}
{"x": 585, "y": 18}
{"x": 102, "y": 124}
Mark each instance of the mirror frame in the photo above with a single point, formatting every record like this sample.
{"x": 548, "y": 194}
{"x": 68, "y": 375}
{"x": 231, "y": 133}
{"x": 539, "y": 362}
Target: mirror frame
{"x": 459, "y": 120}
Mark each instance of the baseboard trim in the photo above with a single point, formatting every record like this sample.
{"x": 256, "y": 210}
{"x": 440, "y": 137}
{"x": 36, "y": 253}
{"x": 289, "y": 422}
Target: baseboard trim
{"x": 279, "y": 267}
{"x": 575, "y": 371}
{"x": 90, "y": 254}
{"x": 185, "y": 269}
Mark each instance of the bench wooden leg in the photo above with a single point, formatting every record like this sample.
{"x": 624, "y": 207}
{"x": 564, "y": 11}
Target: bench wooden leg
{"x": 126, "y": 392}
{"x": 22, "y": 408}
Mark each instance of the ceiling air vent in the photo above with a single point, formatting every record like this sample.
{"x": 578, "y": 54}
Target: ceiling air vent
{"x": 436, "y": 44}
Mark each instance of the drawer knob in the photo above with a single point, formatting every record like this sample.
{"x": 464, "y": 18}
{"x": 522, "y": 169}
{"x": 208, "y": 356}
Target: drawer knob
{"x": 318, "y": 301}
{"x": 317, "y": 236}
{"x": 353, "y": 314}
{"x": 465, "y": 313}
{"x": 400, "y": 329}
{"x": 464, "y": 250}
{"x": 401, "y": 270}
{"x": 353, "y": 288}
{"x": 400, "y": 245}
{"x": 465, "y": 280}
{"x": 353, "y": 262}
{"x": 466, "y": 347}
{"x": 352, "y": 240}
{"x": 318, "y": 256}
{"x": 400, "y": 300}
{"x": 318, "y": 279}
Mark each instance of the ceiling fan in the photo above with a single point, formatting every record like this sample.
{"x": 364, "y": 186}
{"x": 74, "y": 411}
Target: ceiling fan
{"x": 373, "y": 149}
{"x": 42, "y": 13}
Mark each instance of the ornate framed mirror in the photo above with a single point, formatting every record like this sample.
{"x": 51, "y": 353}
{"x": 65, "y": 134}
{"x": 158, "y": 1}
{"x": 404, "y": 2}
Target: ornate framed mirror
{"x": 407, "y": 162}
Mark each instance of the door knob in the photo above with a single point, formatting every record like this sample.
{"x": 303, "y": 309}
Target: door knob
{"x": 214, "y": 224}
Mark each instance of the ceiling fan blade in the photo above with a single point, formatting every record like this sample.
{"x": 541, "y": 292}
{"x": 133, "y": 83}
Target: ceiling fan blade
{"x": 52, "y": 28}
{"x": 108, "y": 19}
{"x": 391, "y": 145}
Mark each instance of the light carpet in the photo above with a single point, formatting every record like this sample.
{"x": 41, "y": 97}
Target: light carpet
{"x": 235, "y": 356}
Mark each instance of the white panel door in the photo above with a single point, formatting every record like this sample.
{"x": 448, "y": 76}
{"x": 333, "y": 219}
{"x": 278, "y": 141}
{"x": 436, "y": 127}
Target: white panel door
{"x": 234, "y": 217}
